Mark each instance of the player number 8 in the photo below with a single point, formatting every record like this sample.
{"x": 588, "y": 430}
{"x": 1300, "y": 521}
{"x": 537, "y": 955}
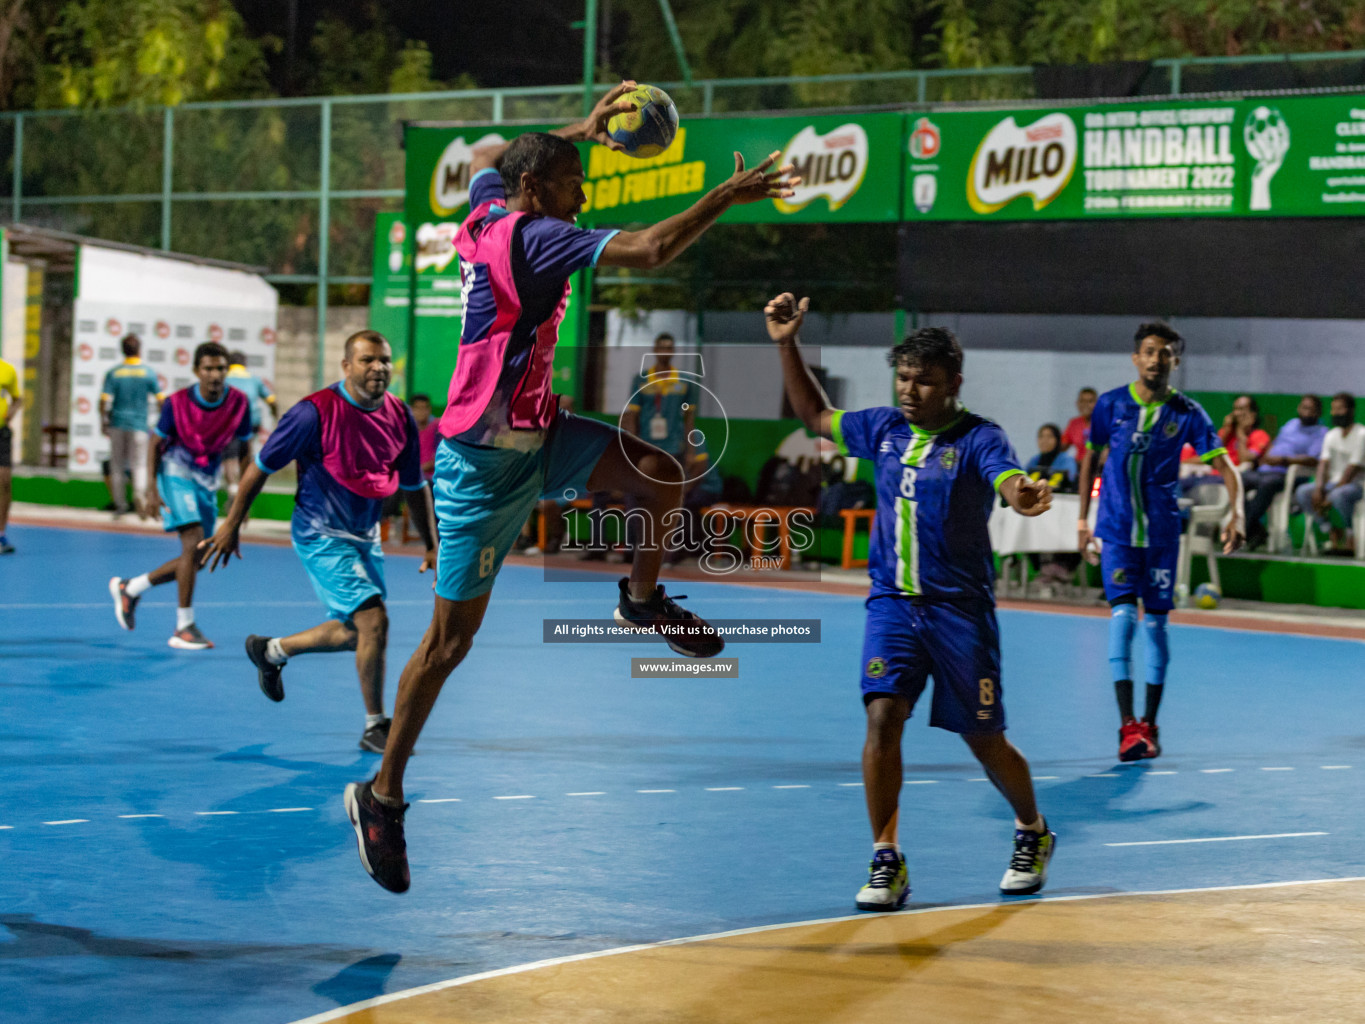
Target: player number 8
{"x": 485, "y": 562}
{"x": 987, "y": 692}
{"x": 908, "y": 482}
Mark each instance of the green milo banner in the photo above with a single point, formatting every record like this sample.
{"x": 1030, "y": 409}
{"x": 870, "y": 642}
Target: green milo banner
{"x": 849, "y": 165}
{"x": 1278, "y": 157}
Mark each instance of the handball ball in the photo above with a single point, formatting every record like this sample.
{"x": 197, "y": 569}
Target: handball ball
{"x": 649, "y": 129}
{"x": 1207, "y": 596}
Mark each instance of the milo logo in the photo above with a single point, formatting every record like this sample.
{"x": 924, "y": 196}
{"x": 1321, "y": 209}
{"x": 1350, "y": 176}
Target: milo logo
{"x": 1011, "y": 161}
{"x": 830, "y": 165}
{"x": 450, "y": 180}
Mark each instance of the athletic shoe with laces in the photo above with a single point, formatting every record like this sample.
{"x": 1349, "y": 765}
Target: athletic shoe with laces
{"x": 1028, "y": 866}
{"x": 685, "y": 632}
{"x": 1150, "y": 735}
{"x": 124, "y": 604}
{"x": 189, "y": 639}
{"x": 888, "y": 883}
{"x": 376, "y": 737}
{"x": 379, "y": 833}
{"x": 271, "y": 677}
{"x": 1133, "y": 740}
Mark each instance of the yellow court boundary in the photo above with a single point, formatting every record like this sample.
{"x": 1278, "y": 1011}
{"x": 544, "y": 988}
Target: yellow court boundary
{"x": 394, "y": 997}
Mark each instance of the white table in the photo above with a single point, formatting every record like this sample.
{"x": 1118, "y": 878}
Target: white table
{"x": 1052, "y": 532}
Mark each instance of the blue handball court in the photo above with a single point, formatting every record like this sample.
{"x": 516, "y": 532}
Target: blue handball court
{"x": 176, "y": 848}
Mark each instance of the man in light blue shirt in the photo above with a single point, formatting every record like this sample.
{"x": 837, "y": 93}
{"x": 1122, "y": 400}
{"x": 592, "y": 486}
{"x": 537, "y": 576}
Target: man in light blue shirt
{"x": 238, "y": 456}
{"x": 123, "y": 418}
{"x": 1299, "y": 443}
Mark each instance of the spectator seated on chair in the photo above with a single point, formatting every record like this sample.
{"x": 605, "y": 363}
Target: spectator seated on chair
{"x": 1337, "y": 485}
{"x": 1299, "y": 443}
{"x": 1242, "y": 435}
{"x": 1053, "y": 463}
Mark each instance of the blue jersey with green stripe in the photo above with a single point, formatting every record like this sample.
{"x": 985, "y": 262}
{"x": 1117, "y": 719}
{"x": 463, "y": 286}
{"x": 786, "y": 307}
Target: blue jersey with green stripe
{"x": 1138, "y": 489}
{"x": 935, "y": 492}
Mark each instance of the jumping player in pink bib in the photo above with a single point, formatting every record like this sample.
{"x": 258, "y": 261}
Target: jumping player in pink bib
{"x": 355, "y": 445}
{"x": 505, "y": 441}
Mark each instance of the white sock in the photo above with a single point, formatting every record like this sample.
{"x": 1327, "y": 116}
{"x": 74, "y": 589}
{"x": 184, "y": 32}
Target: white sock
{"x": 184, "y": 618}
{"x": 373, "y": 720}
{"x": 274, "y": 652}
{"x": 139, "y": 585}
{"x": 877, "y": 847}
{"x": 1039, "y": 826}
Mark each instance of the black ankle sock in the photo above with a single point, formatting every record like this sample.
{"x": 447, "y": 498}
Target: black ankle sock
{"x": 1123, "y": 690}
{"x": 1154, "y": 691}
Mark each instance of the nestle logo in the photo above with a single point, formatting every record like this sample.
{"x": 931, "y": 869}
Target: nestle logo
{"x": 1043, "y": 133}
{"x": 841, "y": 141}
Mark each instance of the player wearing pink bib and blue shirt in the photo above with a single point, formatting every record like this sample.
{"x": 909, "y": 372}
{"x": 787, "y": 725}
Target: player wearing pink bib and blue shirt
{"x": 197, "y": 425}
{"x": 355, "y": 445}
{"x": 1143, "y": 427}
{"x": 931, "y": 610}
{"x": 505, "y": 441}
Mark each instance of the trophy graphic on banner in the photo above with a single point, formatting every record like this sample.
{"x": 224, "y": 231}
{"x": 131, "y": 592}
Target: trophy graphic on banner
{"x": 1267, "y": 139}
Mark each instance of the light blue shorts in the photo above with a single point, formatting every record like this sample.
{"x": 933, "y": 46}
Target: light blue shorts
{"x": 485, "y": 495}
{"x": 186, "y": 502}
{"x": 345, "y": 573}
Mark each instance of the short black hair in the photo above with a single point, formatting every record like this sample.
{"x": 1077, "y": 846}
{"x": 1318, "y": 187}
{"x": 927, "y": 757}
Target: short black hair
{"x": 132, "y": 344}
{"x": 420, "y": 397}
{"x": 209, "y": 350}
{"x": 1348, "y": 398}
{"x": 929, "y": 346}
{"x": 1315, "y": 399}
{"x": 533, "y": 153}
{"x": 365, "y": 335}
{"x": 1255, "y": 408}
{"x": 1160, "y": 329}
{"x": 1087, "y": 391}
{"x": 237, "y": 358}
{"x": 664, "y": 334}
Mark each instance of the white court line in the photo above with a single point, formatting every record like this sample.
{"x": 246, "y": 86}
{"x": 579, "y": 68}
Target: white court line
{"x": 1334, "y": 767}
{"x": 723, "y": 789}
{"x": 5, "y": 827}
{"x": 791, "y": 787}
{"x": 287, "y": 810}
{"x": 1277, "y": 769}
{"x": 1219, "y": 839}
{"x": 656, "y": 791}
{"x": 978, "y": 780}
{"x": 440, "y": 800}
{"x": 917, "y": 782}
{"x": 468, "y": 979}
{"x": 593, "y": 793}
{"x": 858, "y": 784}
{"x": 68, "y": 821}
{"x": 1104, "y": 775}
{"x": 141, "y": 815}
{"x": 521, "y": 796}
{"x": 212, "y": 814}
{"x": 1215, "y": 771}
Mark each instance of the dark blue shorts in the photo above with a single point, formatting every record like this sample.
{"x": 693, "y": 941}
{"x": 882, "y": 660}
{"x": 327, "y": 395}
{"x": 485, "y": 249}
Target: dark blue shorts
{"x": 906, "y": 641}
{"x": 1145, "y": 573}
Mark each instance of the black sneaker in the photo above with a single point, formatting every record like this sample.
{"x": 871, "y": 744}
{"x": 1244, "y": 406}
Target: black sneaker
{"x": 1028, "y": 866}
{"x": 376, "y": 737}
{"x": 685, "y": 632}
{"x": 269, "y": 676}
{"x": 124, "y": 605}
{"x": 379, "y": 833}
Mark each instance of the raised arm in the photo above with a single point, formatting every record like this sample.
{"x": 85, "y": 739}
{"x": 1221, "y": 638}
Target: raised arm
{"x": 661, "y": 243}
{"x": 592, "y": 128}
{"x": 784, "y": 316}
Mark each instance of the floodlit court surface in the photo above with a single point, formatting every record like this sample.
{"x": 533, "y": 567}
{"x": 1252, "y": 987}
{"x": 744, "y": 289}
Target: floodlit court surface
{"x": 175, "y": 846}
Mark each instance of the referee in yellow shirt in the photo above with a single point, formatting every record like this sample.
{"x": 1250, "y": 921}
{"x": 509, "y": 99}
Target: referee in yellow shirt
{"x": 11, "y": 401}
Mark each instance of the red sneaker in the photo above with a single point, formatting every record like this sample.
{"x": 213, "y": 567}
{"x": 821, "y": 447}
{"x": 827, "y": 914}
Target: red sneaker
{"x": 1133, "y": 738}
{"x": 1149, "y": 736}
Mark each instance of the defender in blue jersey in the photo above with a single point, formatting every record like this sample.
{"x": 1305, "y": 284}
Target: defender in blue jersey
{"x": 932, "y": 606}
{"x": 1143, "y": 427}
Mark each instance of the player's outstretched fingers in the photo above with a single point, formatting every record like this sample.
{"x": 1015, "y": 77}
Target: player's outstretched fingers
{"x": 739, "y": 162}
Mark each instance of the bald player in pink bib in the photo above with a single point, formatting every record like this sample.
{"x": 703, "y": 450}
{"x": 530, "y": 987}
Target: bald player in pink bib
{"x": 355, "y": 445}
{"x": 505, "y": 441}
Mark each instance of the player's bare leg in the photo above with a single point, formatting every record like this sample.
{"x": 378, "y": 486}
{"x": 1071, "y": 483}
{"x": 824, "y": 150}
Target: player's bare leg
{"x": 1033, "y": 842}
{"x": 888, "y": 884}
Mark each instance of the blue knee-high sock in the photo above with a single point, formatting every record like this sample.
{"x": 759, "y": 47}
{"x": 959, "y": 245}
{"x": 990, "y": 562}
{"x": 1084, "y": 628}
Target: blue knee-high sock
{"x": 1122, "y": 625}
{"x": 1156, "y": 650}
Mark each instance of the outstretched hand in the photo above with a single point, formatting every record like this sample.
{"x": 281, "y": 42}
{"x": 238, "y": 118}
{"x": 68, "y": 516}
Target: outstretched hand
{"x": 760, "y": 183}
{"x": 219, "y": 549}
{"x": 595, "y": 124}
{"x": 1032, "y": 497}
{"x": 784, "y": 315}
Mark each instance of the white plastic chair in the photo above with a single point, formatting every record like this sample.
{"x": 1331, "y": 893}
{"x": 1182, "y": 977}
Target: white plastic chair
{"x": 1277, "y": 516}
{"x": 1210, "y": 508}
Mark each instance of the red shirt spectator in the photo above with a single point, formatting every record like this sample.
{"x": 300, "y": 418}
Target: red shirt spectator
{"x": 1077, "y": 431}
